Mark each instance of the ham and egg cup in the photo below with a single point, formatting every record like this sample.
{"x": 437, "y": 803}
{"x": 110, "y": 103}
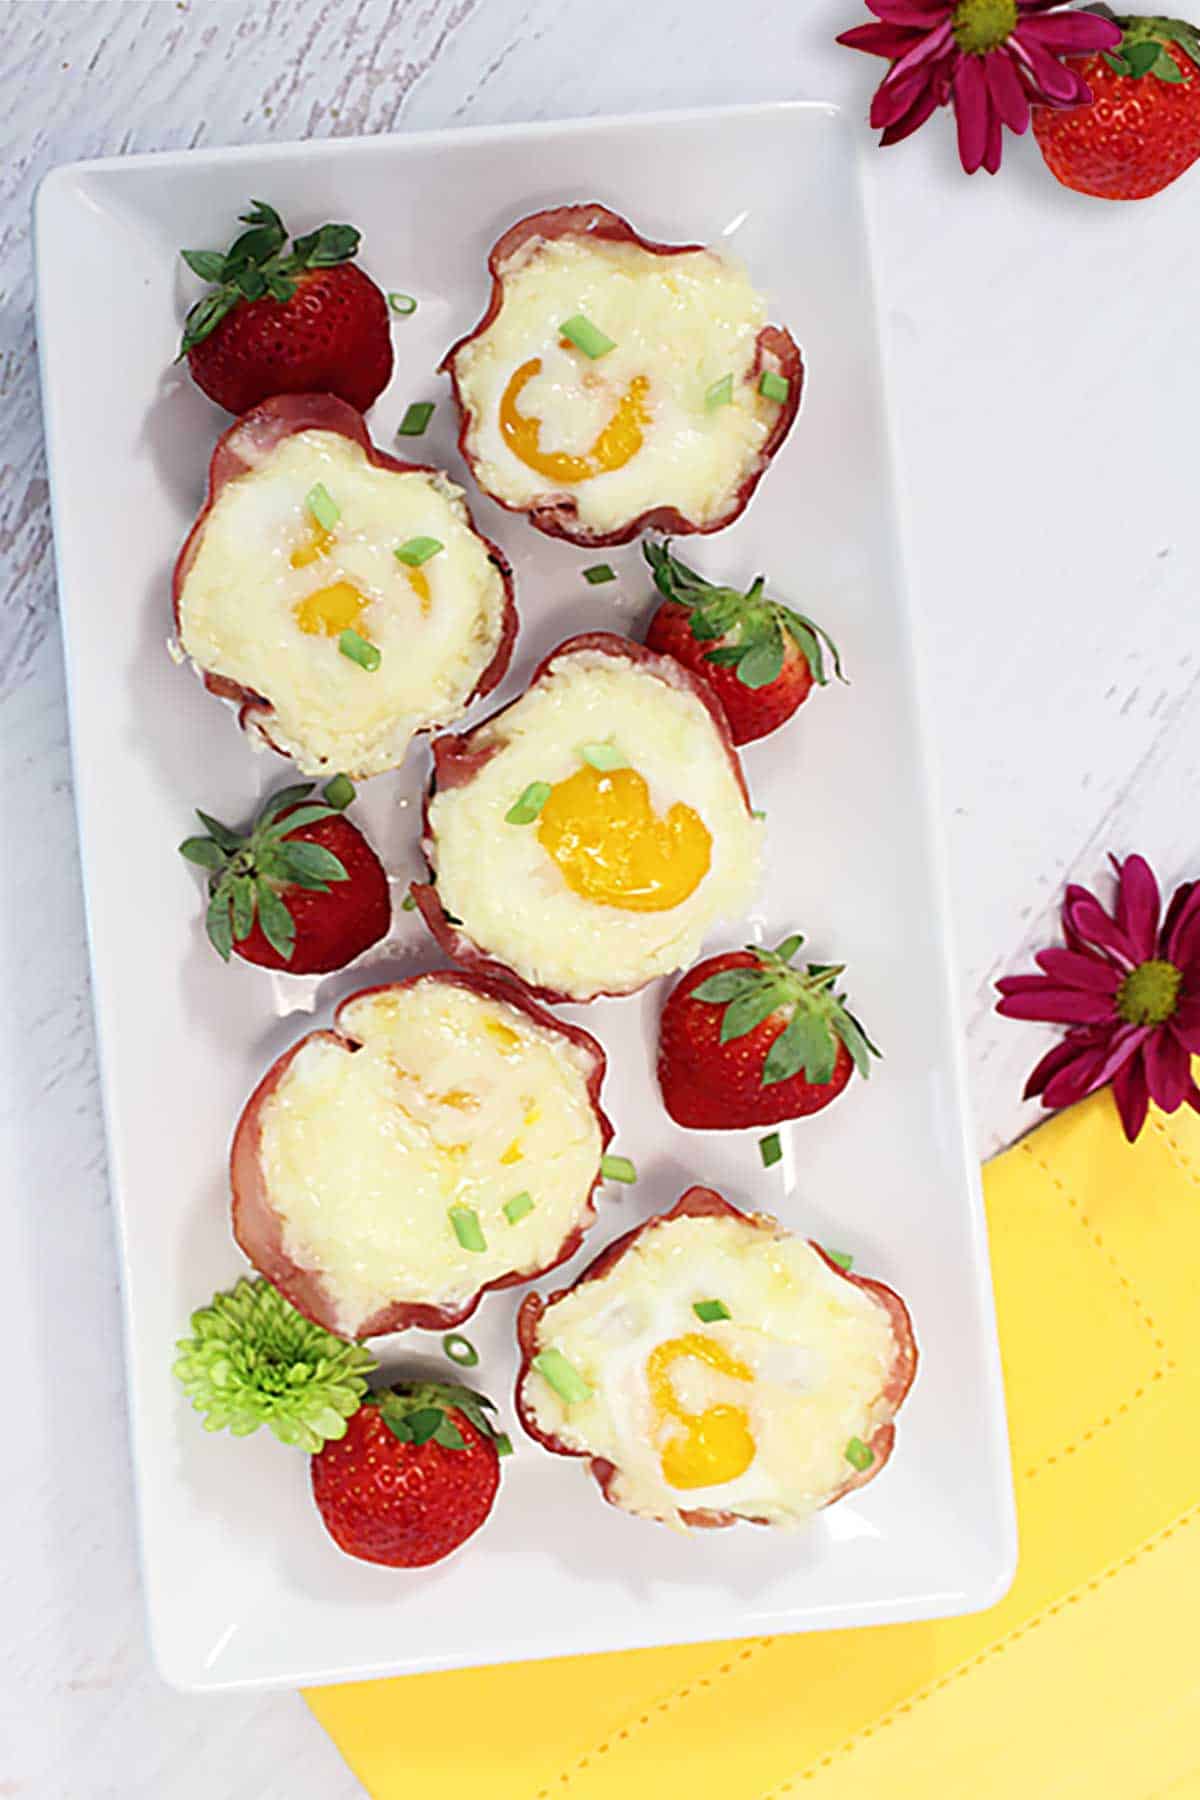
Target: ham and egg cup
{"x": 342, "y": 599}
{"x": 445, "y": 1138}
{"x": 588, "y": 836}
{"x": 616, "y": 385}
{"x": 710, "y": 1367}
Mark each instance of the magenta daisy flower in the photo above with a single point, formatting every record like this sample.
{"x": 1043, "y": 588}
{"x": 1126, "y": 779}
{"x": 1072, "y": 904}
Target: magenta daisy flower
{"x": 993, "y": 59}
{"x": 1127, "y": 986}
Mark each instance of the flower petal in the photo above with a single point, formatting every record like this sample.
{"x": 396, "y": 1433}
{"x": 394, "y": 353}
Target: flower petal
{"x": 895, "y": 95}
{"x": 1168, "y": 1070}
{"x": 915, "y": 117}
{"x": 1181, "y": 927}
{"x": 1056, "y": 1005}
{"x": 993, "y": 149}
{"x": 1021, "y": 984}
{"x": 1051, "y": 83}
{"x": 1185, "y": 1022}
{"x": 1132, "y": 1097}
{"x": 1086, "y": 1060}
{"x": 1139, "y": 905}
{"x": 924, "y": 15}
{"x": 1087, "y": 921}
{"x": 892, "y": 41}
{"x": 1121, "y": 1046}
{"x": 1008, "y": 96}
{"x": 1080, "y": 95}
{"x": 973, "y": 110}
{"x": 1071, "y": 33}
{"x": 1076, "y": 1078}
{"x": 1068, "y": 1050}
{"x": 1072, "y": 968}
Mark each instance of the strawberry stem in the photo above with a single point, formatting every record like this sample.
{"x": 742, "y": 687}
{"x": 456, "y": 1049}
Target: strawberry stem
{"x": 748, "y": 631}
{"x": 249, "y": 873}
{"x": 257, "y": 266}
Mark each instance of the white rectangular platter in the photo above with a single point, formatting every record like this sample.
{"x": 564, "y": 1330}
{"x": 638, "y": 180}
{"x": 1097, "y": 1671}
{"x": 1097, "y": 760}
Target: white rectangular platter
{"x": 244, "y": 1587}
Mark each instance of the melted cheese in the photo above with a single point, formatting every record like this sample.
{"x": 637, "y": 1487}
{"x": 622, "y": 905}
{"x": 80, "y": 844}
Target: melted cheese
{"x": 269, "y": 593}
{"x": 519, "y": 889}
{"x": 630, "y": 429}
{"x": 453, "y": 1100}
{"x": 749, "y": 1415}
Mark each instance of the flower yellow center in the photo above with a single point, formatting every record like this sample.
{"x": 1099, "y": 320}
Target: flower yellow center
{"x": 1149, "y": 994}
{"x": 983, "y": 25}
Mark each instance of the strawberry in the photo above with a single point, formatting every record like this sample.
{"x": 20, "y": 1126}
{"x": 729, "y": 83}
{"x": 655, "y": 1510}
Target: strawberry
{"x": 302, "y": 890}
{"x": 746, "y": 1039}
{"x": 278, "y": 321}
{"x": 1142, "y": 129}
{"x": 415, "y": 1474}
{"x": 759, "y": 657}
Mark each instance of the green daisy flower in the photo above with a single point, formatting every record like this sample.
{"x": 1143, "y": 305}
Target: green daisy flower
{"x": 254, "y": 1360}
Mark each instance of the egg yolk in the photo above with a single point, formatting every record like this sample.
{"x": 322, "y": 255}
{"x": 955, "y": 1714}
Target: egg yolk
{"x": 614, "y": 849}
{"x": 617, "y": 444}
{"x": 328, "y": 611}
{"x": 704, "y": 1449}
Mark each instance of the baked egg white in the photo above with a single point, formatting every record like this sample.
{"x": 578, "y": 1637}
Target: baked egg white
{"x": 718, "y": 1367}
{"x": 301, "y": 549}
{"x": 458, "y": 1144}
{"x": 603, "y": 831}
{"x": 660, "y": 407}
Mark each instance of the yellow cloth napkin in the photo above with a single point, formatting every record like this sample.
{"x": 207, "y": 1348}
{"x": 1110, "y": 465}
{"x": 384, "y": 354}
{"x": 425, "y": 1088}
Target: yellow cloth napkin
{"x": 1085, "y": 1681}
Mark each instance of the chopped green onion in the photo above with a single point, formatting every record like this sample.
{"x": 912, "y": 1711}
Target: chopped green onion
{"x": 323, "y": 507}
{"x": 758, "y": 813}
{"x": 770, "y": 1149}
{"x": 418, "y": 550}
{"x": 618, "y": 1168}
{"x": 566, "y": 1380}
{"x": 586, "y": 337}
{"x": 842, "y": 1258}
{"x": 711, "y": 1310}
{"x": 502, "y": 1444}
{"x": 772, "y": 386}
{"x": 416, "y": 418}
{"x": 460, "y": 1350}
{"x": 719, "y": 394}
{"x": 599, "y": 572}
{"x": 525, "y": 810}
{"x": 402, "y": 304}
{"x": 368, "y": 656}
{"x": 603, "y": 756}
{"x": 516, "y": 1208}
{"x": 339, "y": 792}
{"x": 467, "y": 1228}
{"x": 409, "y": 902}
{"x": 859, "y": 1455}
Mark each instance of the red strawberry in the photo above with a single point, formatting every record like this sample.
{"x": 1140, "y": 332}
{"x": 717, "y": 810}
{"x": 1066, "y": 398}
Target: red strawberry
{"x": 303, "y": 321}
{"x": 414, "y": 1476}
{"x": 746, "y": 1039}
{"x": 1142, "y": 129}
{"x": 302, "y": 890}
{"x": 759, "y": 657}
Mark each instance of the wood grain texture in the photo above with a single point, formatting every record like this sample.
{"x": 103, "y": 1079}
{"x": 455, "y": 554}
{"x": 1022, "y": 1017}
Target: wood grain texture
{"x": 1045, "y": 401}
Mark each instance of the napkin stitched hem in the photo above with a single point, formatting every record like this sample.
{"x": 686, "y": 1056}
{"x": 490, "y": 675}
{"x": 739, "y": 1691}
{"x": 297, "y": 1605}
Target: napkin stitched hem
{"x": 759, "y": 1645}
{"x": 1146, "y": 1548}
{"x": 1140, "y": 1309}
{"x": 660, "y": 1706}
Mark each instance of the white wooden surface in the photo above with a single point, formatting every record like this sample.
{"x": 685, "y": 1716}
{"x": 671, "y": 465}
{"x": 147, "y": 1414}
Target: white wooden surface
{"x": 1045, "y": 385}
